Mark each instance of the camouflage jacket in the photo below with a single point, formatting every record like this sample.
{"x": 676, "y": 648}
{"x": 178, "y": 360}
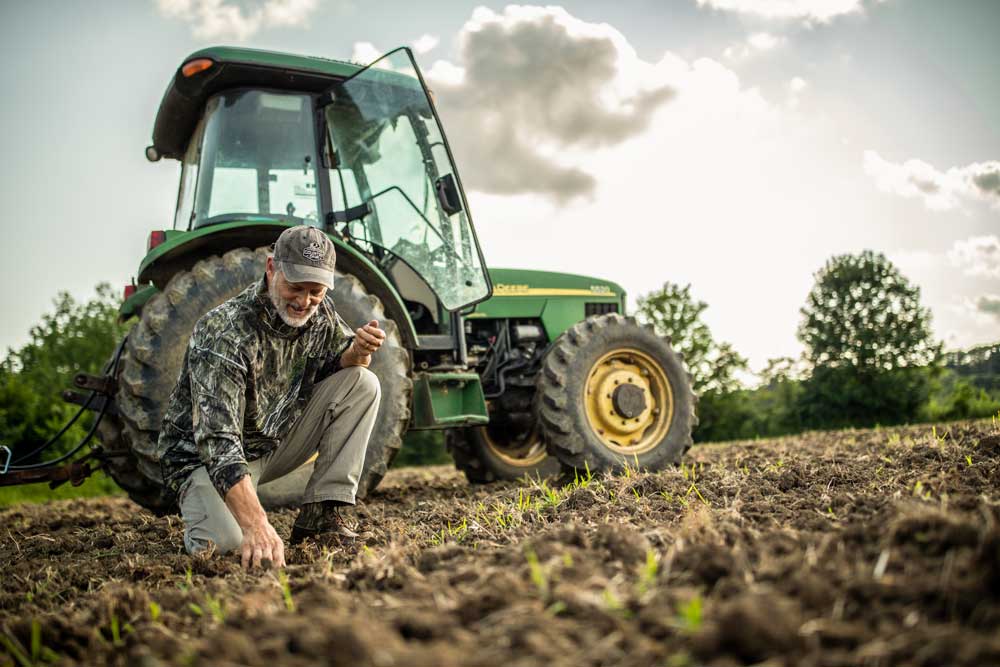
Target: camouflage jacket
{"x": 246, "y": 378}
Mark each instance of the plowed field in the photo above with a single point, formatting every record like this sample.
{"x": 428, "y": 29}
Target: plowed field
{"x": 849, "y": 548}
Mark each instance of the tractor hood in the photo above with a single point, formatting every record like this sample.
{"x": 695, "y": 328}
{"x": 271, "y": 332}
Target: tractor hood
{"x": 559, "y": 300}
{"x": 522, "y": 282}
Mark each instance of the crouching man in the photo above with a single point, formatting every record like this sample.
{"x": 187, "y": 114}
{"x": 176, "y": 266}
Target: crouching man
{"x": 270, "y": 378}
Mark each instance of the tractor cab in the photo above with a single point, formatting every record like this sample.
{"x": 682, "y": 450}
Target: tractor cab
{"x": 357, "y": 152}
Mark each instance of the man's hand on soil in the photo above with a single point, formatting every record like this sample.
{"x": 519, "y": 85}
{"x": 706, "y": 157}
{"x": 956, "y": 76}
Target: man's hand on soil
{"x": 262, "y": 547}
{"x": 261, "y": 544}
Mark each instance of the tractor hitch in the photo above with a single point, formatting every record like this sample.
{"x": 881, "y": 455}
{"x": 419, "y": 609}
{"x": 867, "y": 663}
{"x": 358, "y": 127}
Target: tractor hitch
{"x": 102, "y": 384}
{"x": 74, "y": 473}
{"x": 102, "y": 398}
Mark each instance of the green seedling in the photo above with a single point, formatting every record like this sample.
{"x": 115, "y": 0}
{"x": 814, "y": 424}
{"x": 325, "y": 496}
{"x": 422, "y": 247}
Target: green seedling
{"x": 116, "y": 631}
{"x": 216, "y": 607}
{"x": 196, "y": 609}
{"x": 523, "y": 501}
{"x": 503, "y": 519}
{"x": 38, "y": 653}
{"x": 286, "y": 591}
{"x": 567, "y": 559}
{"x": 627, "y": 471}
{"x": 185, "y": 586}
{"x": 697, "y": 493}
{"x": 647, "y": 576}
{"x": 555, "y": 608}
{"x": 669, "y": 497}
{"x": 689, "y": 615}
{"x": 457, "y": 533}
{"x": 551, "y": 496}
{"x": 681, "y": 659}
{"x": 968, "y": 460}
{"x": 154, "y": 611}
{"x": 537, "y": 573}
{"x": 920, "y": 491}
{"x": 612, "y": 602}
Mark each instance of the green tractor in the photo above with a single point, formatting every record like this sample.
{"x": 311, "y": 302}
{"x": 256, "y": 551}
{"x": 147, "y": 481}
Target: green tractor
{"x": 528, "y": 371}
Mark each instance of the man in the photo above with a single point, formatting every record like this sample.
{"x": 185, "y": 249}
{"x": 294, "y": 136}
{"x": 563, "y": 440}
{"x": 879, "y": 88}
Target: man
{"x": 270, "y": 378}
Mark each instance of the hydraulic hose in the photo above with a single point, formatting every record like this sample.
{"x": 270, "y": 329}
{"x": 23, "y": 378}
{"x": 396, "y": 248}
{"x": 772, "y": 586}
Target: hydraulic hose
{"x": 113, "y": 367}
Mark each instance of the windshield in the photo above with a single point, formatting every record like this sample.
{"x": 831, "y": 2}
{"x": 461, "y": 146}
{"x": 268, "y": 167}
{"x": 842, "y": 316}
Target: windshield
{"x": 388, "y": 153}
{"x": 254, "y": 153}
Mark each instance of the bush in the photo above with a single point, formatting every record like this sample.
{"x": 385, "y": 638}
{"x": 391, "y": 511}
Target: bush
{"x": 76, "y": 337}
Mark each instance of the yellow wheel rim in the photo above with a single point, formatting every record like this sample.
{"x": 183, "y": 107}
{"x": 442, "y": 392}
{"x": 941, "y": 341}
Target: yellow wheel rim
{"x": 628, "y": 401}
{"x": 525, "y": 454}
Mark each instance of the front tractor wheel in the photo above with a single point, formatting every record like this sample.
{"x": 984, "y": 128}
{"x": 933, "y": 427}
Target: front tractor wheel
{"x": 492, "y": 453}
{"x": 613, "y": 394}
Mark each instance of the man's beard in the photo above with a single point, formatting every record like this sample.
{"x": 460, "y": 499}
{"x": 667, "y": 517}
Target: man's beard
{"x": 281, "y": 305}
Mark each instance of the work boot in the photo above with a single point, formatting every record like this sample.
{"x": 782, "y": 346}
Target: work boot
{"x": 322, "y": 518}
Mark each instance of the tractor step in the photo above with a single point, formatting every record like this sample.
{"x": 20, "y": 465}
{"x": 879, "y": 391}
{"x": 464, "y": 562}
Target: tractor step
{"x": 448, "y": 400}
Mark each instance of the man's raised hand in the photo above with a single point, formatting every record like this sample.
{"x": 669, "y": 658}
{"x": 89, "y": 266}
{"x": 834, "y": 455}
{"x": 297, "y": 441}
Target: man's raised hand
{"x": 368, "y": 339}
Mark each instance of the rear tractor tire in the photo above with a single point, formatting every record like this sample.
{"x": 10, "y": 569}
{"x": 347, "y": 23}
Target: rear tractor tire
{"x": 612, "y": 394}
{"x": 151, "y": 363}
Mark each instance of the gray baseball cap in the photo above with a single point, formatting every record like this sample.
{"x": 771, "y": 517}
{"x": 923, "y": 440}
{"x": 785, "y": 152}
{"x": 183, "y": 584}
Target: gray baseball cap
{"x": 305, "y": 255}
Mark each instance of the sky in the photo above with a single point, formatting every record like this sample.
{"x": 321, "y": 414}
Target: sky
{"x": 733, "y": 145}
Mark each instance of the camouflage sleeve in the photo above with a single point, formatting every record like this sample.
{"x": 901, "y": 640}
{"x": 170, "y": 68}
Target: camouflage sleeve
{"x": 218, "y": 375}
{"x": 340, "y": 340}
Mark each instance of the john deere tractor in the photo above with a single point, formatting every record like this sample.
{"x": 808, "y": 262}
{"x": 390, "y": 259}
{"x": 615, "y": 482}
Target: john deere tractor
{"x": 528, "y": 371}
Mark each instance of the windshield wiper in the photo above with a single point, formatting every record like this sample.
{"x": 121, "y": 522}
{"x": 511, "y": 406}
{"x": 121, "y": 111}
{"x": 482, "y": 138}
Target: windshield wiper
{"x": 349, "y": 214}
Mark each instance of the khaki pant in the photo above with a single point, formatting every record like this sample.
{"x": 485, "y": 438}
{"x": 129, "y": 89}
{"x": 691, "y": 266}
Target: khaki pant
{"x": 336, "y": 424}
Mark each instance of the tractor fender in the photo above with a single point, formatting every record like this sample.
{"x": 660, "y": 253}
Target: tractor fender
{"x": 182, "y": 250}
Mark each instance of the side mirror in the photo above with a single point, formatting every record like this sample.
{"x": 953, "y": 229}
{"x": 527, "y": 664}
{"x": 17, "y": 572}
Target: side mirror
{"x": 152, "y": 154}
{"x": 447, "y": 194}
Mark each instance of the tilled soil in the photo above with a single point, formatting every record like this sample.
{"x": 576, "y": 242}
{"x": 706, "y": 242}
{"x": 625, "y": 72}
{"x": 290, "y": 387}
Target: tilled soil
{"x": 850, "y": 548}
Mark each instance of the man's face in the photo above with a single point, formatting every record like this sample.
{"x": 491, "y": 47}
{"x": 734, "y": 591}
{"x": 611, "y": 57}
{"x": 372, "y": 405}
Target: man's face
{"x": 295, "y": 302}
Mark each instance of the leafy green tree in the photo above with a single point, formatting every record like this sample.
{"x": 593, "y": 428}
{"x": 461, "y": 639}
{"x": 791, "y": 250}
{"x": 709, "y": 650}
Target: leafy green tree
{"x": 862, "y": 313}
{"x": 869, "y": 342}
{"x": 674, "y": 313}
{"x": 75, "y": 337}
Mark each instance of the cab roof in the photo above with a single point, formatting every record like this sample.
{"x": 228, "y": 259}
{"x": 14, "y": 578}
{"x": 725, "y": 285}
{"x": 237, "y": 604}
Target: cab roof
{"x": 234, "y": 67}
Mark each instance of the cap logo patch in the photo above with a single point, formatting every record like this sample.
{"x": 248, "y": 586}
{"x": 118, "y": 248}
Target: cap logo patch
{"x": 313, "y": 252}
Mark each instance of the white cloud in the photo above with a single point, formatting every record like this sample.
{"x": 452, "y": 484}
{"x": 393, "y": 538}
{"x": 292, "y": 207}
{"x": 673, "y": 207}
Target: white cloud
{"x": 977, "y": 256}
{"x": 939, "y": 190}
{"x": 219, "y": 19}
{"x": 810, "y": 11}
{"x": 763, "y": 41}
{"x": 365, "y": 53}
{"x": 533, "y": 84}
{"x": 796, "y": 86}
{"x": 425, "y": 43}
{"x": 988, "y": 304}
{"x": 755, "y": 43}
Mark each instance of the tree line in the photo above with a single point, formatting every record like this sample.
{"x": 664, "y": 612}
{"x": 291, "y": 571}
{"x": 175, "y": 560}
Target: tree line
{"x": 869, "y": 359}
